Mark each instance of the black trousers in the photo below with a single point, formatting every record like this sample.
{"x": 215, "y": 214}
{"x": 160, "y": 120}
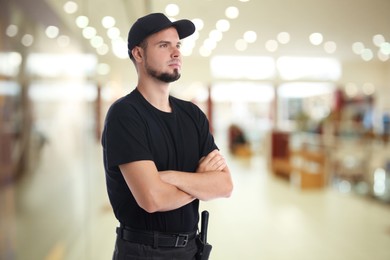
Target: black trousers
{"x": 125, "y": 250}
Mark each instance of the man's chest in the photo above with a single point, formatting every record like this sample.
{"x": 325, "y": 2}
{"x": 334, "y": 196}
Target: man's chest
{"x": 175, "y": 143}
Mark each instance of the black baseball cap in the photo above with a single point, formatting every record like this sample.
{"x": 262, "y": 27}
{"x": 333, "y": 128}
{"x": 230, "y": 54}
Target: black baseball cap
{"x": 153, "y": 23}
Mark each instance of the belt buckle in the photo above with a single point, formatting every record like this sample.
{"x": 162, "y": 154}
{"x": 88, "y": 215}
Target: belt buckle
{"x": 184, "y": 242}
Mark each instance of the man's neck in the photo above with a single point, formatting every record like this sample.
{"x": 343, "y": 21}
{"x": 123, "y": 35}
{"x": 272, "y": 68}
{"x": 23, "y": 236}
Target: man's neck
{"x": 156, "y": 94}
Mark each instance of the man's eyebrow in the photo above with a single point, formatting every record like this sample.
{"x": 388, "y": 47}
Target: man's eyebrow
{"x": 169, "y": 42}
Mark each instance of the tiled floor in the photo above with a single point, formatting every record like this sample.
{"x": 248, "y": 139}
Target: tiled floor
{"x": 61, "y": 211}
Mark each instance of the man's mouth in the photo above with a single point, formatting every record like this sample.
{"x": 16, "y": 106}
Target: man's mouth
{"x": 175, "y": 64}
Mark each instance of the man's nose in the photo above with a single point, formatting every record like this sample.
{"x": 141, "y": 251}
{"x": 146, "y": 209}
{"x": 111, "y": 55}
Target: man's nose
{"x": 176, "y": 52}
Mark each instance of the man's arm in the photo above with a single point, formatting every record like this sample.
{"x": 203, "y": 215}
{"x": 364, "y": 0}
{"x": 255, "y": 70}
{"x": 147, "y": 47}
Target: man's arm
{"x": 212, "y": 179}
{"x": 151, "y": 193}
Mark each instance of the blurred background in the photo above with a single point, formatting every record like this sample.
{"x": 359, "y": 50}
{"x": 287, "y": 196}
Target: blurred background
{"x": 297, "y": 94}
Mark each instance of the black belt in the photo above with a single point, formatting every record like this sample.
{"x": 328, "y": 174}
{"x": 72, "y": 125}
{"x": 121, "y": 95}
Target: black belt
{"x": 155, "y": 239}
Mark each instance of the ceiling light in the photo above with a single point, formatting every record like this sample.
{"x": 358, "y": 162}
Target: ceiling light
{"x": 330, "y": 47}
{"x": 198, "y": 23}
{"x": 103, "y": 49}
{"x": 27, "y": 40}
{"x": 215, "y": 35}
{"x": 119, "y": 47}
{"x": 70, "y": 7}
{"x": 188, "y": 45}
{"x": 186, "y": 50}
{"x": 209, "y": 44}
{"x": 108, "y": 22}
{"x": 385, "y": 48}
{"x": 271, "y": 45}
{"x": 368, "y": 88}
{"x": 89, "y": 32}
{"x": 357, "y": 47}
{"x": 382, "y": 56}
{"x": 82, "y": 21}
{"x": 250, "y": 36}
{"x": 97, "y": 41}
{"x": 12, "y": 30}
{"x": 283, "y": 37}
{"x": 52, "y": 32}
{"x": 223, "y": 25}
{"x": 367, "y": 55}
{"x": 316, "y": 38}
{"x": 232, "y": 12}
{"x": 378, "y": 39}
{"x": 113, "y": 33}
{"x": 172, "y": 9}
{"x": 241, "y": 45}
{"x": 193, "y": 37}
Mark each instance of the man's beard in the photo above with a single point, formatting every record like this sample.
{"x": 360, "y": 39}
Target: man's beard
{"x": 164, "y": 77}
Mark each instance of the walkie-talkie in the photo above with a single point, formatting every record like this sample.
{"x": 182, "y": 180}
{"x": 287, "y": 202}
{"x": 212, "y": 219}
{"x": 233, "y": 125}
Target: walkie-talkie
{"x": 204, "y": 248}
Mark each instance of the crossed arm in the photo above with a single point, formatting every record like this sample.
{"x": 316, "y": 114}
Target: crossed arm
{"x": 168, "y": 190}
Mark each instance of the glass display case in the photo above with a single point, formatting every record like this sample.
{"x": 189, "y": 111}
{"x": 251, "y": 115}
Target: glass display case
{"x": 347, "y": 163}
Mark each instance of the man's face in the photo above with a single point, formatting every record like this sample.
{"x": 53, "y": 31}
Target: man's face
{"x": 162, "y": 55}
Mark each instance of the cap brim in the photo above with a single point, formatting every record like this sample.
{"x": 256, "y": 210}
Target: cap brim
{"x": 184, "y": 28}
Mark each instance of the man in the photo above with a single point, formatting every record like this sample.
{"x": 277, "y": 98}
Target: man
{"x": 159, "y": 156}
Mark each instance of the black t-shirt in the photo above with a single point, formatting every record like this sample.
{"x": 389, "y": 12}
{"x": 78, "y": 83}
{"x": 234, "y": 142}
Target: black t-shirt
{"x": 135, "y": 130}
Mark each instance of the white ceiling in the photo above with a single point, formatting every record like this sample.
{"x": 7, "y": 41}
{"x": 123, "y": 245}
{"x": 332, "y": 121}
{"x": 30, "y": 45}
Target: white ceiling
{"x": 341, "y": 21}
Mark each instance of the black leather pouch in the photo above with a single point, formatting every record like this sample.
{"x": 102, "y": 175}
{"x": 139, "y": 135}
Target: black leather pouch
{"x": 204, "y": 249}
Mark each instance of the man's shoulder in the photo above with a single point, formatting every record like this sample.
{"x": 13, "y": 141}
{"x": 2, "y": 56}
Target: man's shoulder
{"x": 127, "y": 99}
{"x": 189, "y": 108}
{"x": 124, "y": 105}
{"x": 185, "y": 104}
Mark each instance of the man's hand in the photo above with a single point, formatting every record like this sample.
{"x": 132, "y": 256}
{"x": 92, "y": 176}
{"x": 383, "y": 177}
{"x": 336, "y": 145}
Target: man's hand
{"x": 214, "y": 161}
{"x": 212, "y": 179}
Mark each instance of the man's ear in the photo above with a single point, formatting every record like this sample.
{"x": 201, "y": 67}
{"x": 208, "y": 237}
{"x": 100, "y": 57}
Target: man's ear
{"x": 137, "y": 53}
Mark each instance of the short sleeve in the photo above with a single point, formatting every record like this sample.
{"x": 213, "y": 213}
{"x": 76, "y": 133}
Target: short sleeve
{"x": 207, "y": 139}
{"x": 125, "y": 140}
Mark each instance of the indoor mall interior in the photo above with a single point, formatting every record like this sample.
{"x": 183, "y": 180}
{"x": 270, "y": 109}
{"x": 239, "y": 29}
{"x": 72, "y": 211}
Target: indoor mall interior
{"x": 296, "y": 92}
